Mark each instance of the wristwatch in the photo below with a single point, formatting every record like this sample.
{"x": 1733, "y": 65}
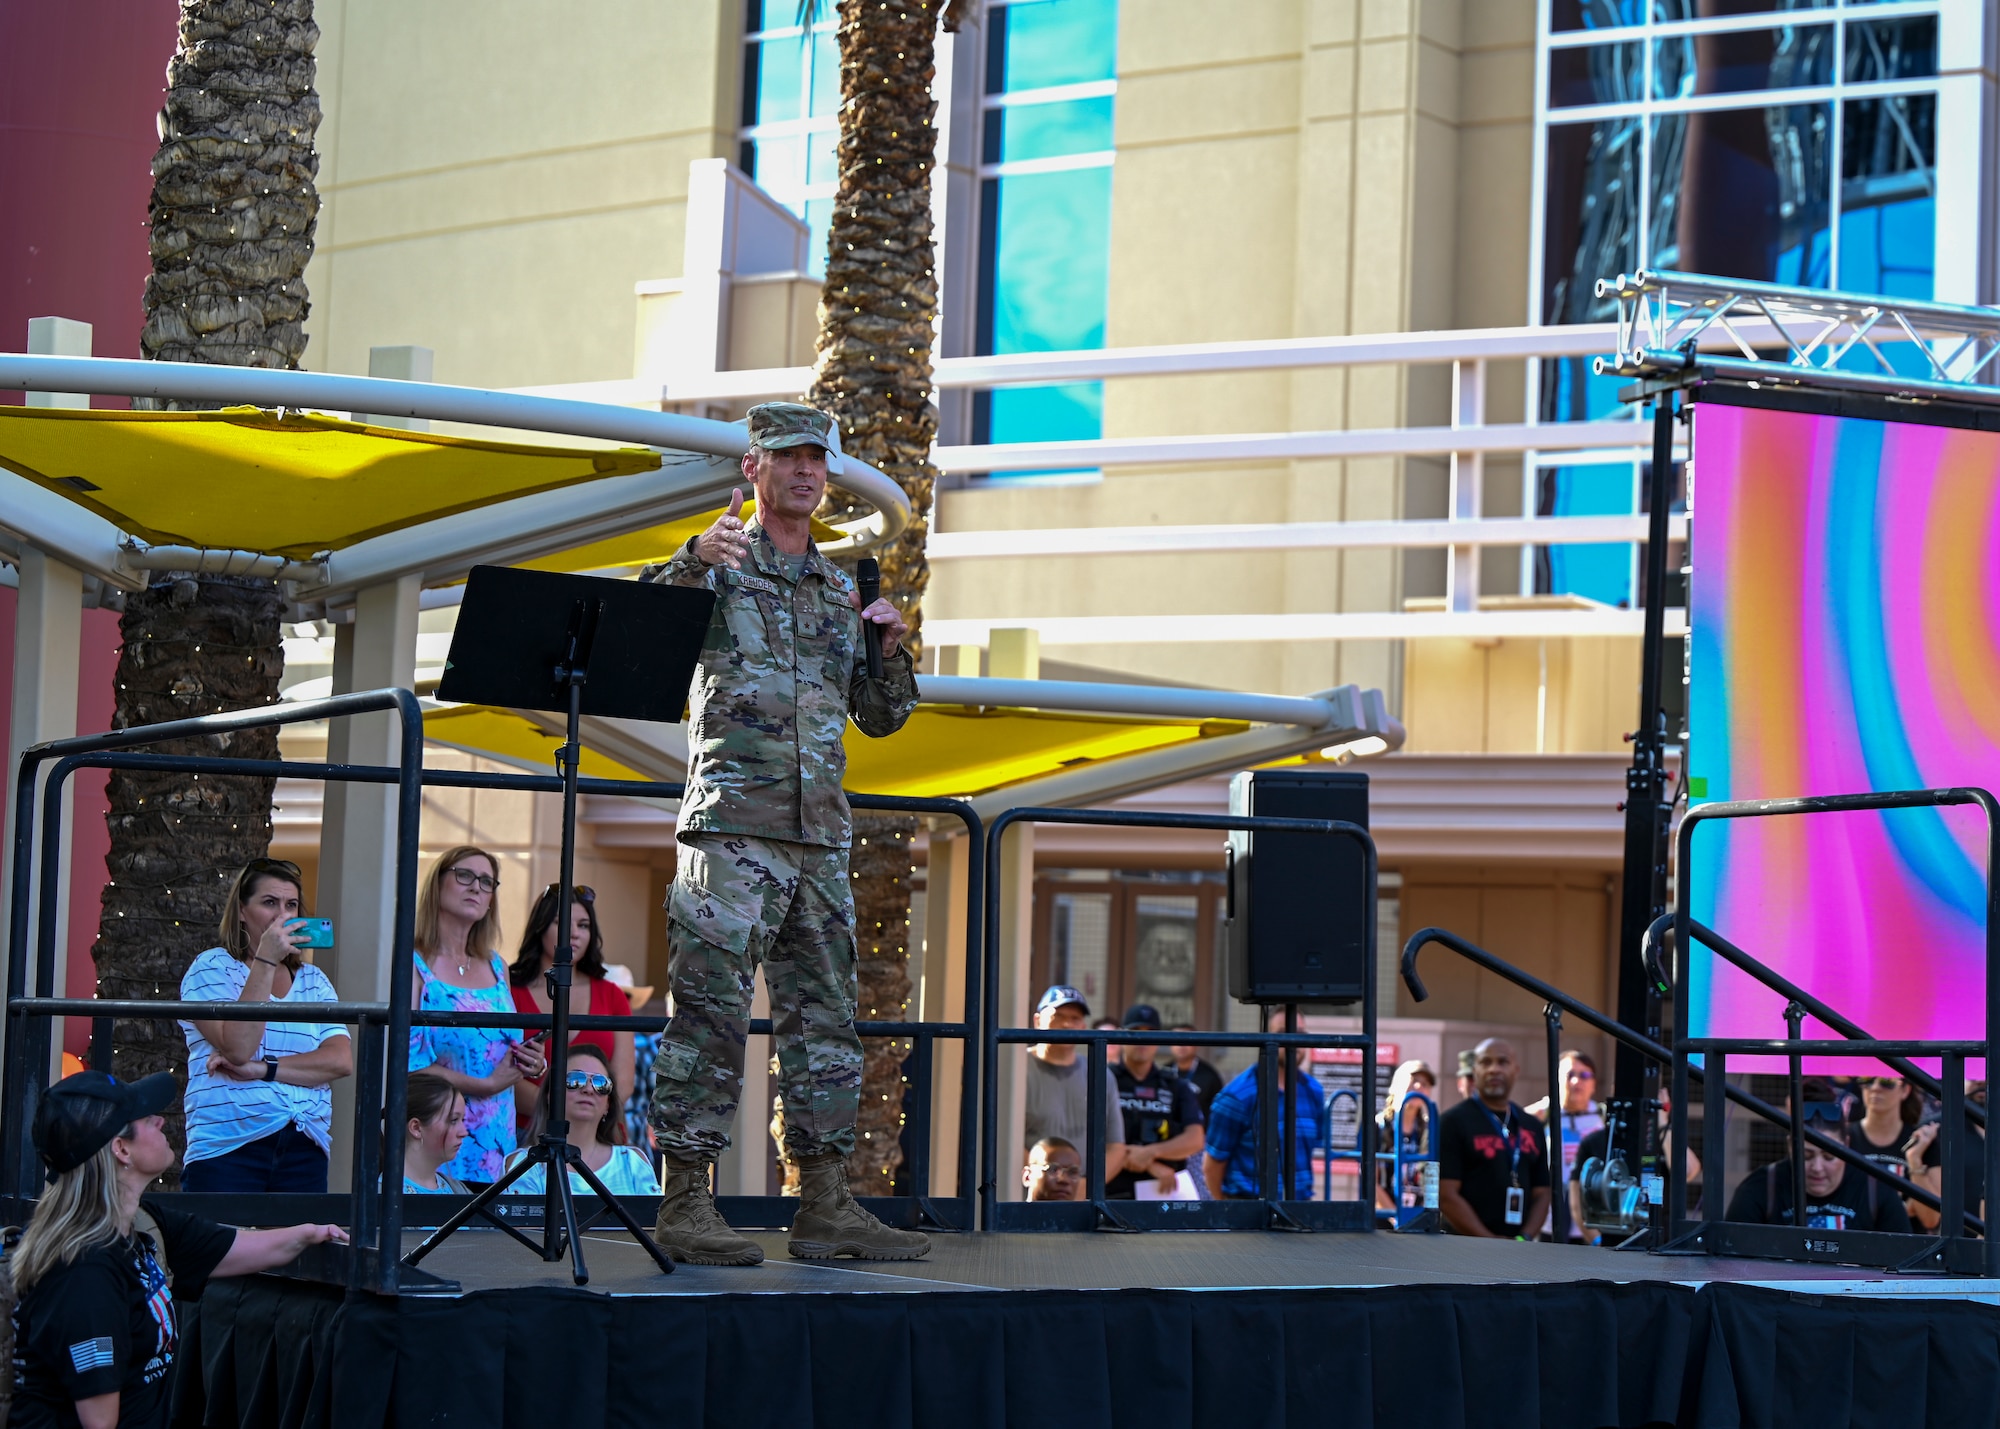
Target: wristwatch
{"x": 270, "y": 1069}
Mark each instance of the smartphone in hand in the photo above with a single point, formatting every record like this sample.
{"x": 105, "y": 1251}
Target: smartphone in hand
{"x": 318, "y": 932}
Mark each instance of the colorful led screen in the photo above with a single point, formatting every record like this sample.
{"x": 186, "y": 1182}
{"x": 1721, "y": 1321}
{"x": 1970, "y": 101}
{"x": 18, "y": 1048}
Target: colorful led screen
{"x": 1844, "y": 636}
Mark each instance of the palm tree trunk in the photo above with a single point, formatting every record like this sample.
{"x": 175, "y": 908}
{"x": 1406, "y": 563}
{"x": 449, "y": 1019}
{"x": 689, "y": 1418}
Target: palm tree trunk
{"x": 233, "y": 212}
{"x": 874, "y": 374}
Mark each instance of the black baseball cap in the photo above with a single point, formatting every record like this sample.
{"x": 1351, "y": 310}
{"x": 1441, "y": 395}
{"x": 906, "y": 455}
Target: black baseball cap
{"x": 82, "y": 1113}
{"x": 1143, "y": 1015}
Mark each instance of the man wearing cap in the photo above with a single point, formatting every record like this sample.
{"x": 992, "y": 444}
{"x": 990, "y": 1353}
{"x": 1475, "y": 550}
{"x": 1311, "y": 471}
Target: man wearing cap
{"x": 1162, "y": 1114}
{"x": 1055, "y": 1101}
{"x": 96, "y": 1331}
{"x": 764, "y": 832}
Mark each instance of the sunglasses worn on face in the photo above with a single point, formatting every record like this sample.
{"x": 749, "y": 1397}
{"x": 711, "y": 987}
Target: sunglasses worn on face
{"x": 472, "y": 878}
{"x": 588, "y": 1081}
{"x": 1883, "y": 1084}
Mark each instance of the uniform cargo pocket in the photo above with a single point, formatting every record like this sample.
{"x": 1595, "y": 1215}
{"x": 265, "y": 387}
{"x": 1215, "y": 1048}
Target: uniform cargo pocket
{"x": 710, "y": 917}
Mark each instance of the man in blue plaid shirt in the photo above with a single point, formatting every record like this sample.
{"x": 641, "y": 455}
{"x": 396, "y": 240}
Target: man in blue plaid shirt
{"x": 1230, "y": 1163}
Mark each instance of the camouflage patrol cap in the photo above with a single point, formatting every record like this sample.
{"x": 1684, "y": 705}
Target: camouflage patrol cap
{"x": 792, "y": 424}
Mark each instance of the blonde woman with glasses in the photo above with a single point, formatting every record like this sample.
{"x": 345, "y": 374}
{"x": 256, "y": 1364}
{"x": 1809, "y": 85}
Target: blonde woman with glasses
{"x": 458, "y": 971}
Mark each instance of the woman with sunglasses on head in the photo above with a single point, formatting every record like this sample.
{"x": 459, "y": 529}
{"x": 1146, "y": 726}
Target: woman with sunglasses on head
{"x": 591, "y": 993}
{"x": 595, "y": 1121}
{"x": 1891, "y": 1109}
{"x": 458, "y": 971}
{"x": 259, "y": 1099}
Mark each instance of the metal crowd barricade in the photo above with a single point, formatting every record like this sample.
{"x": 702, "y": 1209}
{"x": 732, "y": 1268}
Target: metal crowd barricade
{"x": 1402, "y": 1158}
{"x": 1948, "y": 1250}
{"x": 1271, "y": 1207}
{"x": 374, "y": 1201}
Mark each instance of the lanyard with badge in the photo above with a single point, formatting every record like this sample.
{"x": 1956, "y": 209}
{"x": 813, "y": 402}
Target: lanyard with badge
{"x": 1516, "y": 1197}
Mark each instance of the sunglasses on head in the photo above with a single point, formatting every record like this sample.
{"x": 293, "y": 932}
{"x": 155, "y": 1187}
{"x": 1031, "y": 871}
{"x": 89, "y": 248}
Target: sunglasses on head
{"x": 588, "y": 1081}
{"x": 272, "y": 865}
{"x": 473, "y": 878}
{"x": 582, "y": 893}
{"x": 1823, "y": 1111}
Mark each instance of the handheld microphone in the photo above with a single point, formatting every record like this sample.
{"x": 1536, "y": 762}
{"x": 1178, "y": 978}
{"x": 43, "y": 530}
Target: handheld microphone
{"x": 868, "y": 576}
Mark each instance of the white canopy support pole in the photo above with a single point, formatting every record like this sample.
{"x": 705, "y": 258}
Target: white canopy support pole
{"x": 357, "y": 861}
{"x": 48, "y": 634}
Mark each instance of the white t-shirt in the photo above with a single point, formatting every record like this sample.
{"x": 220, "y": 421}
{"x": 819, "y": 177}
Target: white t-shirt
{"x": 627, "y": 1173}
{"x": 223, "y": 1114}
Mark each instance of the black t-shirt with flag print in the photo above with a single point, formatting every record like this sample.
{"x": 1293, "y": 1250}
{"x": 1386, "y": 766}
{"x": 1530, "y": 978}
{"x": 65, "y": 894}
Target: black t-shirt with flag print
{"x": 1472, "y": 1152}
{"x": 106, "y": 1322}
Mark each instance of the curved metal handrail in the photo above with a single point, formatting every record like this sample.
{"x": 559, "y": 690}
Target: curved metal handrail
{"x": 1647, "y": 1047}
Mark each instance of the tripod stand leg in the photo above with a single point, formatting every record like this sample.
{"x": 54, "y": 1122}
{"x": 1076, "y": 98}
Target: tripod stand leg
{"x": 617, "y": 1208}
{"x": 579, "y": 1272}
{"x": 477, "y": 1207}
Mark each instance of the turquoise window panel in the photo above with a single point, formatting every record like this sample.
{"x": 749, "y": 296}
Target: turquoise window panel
{"x": 1050, "y": 260}
{"x": 1048, "y": 131}
{"x": 1040, "y": 43}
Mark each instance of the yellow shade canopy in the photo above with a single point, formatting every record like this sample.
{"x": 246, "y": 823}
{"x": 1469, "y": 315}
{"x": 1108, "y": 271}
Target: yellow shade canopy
{"x": 290, "y": 484}
{"x": 481, "y": 729}
{"x": 943, "y": 751}
{"x": 650, "y": 546}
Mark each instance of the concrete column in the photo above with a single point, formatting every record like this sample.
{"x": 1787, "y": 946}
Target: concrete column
{"x": 941, "y": 993}
{"x": 400, "y": 364}
{"x": 745, "y": 1169}
{"x": 48, "y": 631}
{"x": 1016, "y": 894}
{"x": 1014, "y": 654}
{"x": 357, "y": 878}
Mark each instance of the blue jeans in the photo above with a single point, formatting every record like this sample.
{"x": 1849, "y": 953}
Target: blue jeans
{"x": 286, "y": 1160}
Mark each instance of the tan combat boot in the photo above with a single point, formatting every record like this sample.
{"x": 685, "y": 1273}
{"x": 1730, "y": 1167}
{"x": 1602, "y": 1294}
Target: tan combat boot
{"x": 689, "y": 1227}
{"x": 831, "y": 1222}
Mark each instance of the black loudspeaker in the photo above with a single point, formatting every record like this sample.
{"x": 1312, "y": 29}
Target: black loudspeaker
{"x": 1300, "y": 905}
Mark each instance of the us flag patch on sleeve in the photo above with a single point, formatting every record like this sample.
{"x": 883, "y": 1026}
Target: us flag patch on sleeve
{"x": 88, "y": 1355}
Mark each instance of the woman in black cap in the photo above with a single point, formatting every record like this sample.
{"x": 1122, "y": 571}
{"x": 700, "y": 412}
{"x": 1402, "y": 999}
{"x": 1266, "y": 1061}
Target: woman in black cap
{"x": 95, "y": 1332}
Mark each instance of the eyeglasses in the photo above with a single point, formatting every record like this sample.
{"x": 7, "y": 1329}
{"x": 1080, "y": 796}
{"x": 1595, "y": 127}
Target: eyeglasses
{"x": 470, "y": 878}
{"x": 582, "y": 892}
{"x": 1057, "y": 1168}
{"x": 588, "y": 1081}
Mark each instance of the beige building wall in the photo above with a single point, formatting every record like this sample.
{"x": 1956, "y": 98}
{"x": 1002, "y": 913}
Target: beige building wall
{"x": 1286, "y": 168}
{"x": 495, "y": 176}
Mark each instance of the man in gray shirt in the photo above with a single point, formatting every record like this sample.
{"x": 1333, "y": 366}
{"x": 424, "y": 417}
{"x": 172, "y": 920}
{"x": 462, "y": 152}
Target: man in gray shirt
{"x": 1056, "y": 1105}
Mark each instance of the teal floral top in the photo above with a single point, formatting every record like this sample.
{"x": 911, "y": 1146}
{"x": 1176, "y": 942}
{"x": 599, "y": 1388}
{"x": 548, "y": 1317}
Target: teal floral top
{"x": 471, "y": 1052}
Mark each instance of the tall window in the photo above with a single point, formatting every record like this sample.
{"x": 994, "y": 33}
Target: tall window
{"x": 1045, "y": 207}
{"x": 1787, "y": 141}
{"x": 791, "y": 105}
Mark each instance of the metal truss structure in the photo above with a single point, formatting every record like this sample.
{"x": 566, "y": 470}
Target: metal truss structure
{"x": 1883, "y": 346}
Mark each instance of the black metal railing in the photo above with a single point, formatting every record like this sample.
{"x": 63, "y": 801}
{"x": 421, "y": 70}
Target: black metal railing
{"x": 374, "y": 1200}
{"x": 1660, "y": 1053}
{"x": 1798, "y": 1241}
{"x": 1274, "y": 1141}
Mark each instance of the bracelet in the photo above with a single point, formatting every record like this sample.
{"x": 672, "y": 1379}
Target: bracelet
{"x": 265, "y": 961}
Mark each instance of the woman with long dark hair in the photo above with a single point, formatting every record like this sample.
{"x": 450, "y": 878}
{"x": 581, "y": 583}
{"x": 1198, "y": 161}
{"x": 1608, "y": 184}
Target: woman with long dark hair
{"x": 591, "y": 992}
{"x": 260, "y": 1094}
{"x": 96, "y": 1332}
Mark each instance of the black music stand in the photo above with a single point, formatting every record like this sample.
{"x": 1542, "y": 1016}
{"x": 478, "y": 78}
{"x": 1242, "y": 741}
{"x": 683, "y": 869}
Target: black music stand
{"x": 580, "y": 645}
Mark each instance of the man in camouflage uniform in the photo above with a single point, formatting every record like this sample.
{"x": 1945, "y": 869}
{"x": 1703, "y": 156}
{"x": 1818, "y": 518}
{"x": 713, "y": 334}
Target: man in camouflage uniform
{"x": 764, "y": 832}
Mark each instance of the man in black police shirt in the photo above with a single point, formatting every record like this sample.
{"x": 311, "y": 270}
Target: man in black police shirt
{"x": 1493, "y": 1170}
{"x": 1163, "y": 1120}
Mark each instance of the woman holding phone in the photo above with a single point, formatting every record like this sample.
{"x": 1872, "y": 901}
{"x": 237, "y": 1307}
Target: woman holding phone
{"x": 259, "y": 1096}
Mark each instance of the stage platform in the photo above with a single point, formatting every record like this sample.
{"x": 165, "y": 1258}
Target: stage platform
{"x": 1158, "y": 1329}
